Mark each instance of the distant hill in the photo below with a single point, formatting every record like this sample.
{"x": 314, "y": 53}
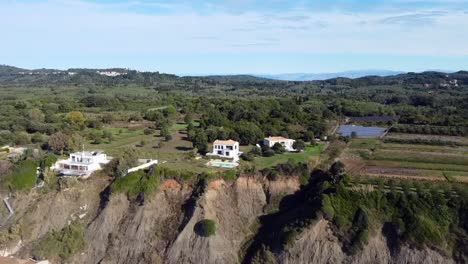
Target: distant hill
{"x": 13, "y": 76}
{"x": 326, "y": 76}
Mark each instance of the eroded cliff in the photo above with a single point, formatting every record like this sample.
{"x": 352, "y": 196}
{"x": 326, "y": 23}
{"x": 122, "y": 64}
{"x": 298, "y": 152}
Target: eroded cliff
{"x": 162, "y": 227}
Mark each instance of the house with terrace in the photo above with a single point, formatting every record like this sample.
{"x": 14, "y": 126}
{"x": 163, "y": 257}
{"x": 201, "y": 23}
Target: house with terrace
{"x": 287, "y": 143}
{"x": 228, "y": 149}
{"x": 81, "y": 164}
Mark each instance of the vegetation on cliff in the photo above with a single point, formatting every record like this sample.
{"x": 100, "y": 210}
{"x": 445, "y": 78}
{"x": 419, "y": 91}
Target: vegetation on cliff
{"x": 63, "y": 243}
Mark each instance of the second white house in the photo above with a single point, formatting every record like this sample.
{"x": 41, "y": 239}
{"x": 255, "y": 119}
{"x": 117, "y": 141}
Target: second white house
{"x": 287, "y": 143}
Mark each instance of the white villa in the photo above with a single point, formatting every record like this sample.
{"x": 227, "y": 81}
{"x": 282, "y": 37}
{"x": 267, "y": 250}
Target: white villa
{"x": 286, "y": 142}
{"x": 226, "y": 149}
{"x": 81, "y": 163}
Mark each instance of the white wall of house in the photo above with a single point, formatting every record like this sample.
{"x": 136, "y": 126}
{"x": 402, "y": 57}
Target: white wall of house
{"x": 286, "y": 142}
{"x": 226, "y": 148}
{"x": 81, "y": 163}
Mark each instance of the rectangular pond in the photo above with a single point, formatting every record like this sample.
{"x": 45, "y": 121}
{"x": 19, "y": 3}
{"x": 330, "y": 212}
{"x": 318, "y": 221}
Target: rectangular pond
{"x": 361, "y": 131}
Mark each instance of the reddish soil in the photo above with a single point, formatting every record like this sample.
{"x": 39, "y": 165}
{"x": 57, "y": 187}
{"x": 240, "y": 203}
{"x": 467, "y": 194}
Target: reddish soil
{"x": 217, "y": 184}
{"x": 170, "y": 184}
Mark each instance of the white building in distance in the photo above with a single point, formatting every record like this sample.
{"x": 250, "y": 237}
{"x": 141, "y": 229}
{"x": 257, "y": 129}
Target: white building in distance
{"x": 81, "y": 164}
{"x": 226, "y": 149}
{"x": 111, "y": 73}
{"x": 287, "y": 143}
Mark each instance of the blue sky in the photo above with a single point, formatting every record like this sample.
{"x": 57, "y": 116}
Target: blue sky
{"x": 236, "y": 36}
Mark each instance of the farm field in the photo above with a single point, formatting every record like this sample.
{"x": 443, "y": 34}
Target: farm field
{"x": 426, "y": 139}
{"x": 373, "y": 157}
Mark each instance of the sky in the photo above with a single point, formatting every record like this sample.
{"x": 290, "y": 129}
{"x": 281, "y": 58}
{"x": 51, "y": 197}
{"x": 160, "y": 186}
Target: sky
{"x": 236, "y": 36}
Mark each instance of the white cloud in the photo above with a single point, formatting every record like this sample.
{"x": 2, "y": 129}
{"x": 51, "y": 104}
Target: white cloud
{"x": 62, "y": 27}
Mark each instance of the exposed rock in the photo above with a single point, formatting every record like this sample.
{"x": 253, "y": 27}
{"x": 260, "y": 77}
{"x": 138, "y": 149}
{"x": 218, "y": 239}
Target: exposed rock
{"x": 317, "y": 244}
{"x": 161, "y": 229}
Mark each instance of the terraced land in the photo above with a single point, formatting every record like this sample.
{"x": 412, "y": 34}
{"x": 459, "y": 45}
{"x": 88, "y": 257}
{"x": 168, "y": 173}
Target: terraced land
{"x": 374, "y": 157}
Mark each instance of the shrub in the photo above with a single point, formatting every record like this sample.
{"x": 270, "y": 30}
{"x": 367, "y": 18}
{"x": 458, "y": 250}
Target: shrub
{"x": 269, "y": 153}
{"x": 278, "y": 148}
{"x": 230, "y": 175}
{"x": 299, "y": 145}
{"x": 206, "y": 227}
{"x": 327, "y": 207}
{"x": 47, "y": 160}
{"x": 256, "y": 151}
{"x": 135, "y": 183}
{"x": 22, "y": 138}
{"x": 247, "y": 157}
{"x": 64, "y": 243}
{"x": 37, "y": 138}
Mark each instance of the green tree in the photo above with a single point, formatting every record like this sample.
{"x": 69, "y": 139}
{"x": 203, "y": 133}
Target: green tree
{"x": 107, "y": 118}
{"x": 299, "y": 145}
{"x": 108, "y": 135}
{"x": 6, "y": 137}
{"x": 75, "y": 142}
{"x": 188, "y": 118}
{"x": 22, "y": 138}
{"x": 200, "y": 141}
{"x": 75, "y": 119}
{"x": 278, "y": 148}
{"x": 95, "y": 137}
{"x": 37, "y": 138}
{"x": 36, "y": 115}
{"x": 256, "y": 151}
{"x": 164, "y": 132}
{"x": 248, "y": 132}
{"x": 119, "y": 166}
{"x": 169, "y": 111}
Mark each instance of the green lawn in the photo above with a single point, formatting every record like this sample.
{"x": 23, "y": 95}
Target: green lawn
{"x": 309, "y": 155}
{"x": 173, "y": 154}
{"x": 182, "y": 126}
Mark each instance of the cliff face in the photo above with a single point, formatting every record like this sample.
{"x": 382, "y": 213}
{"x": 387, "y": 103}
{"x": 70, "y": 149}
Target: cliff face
{"x": 125, "y": 232}
{"x": 317, "y": 244}
{"x": 162, "y": 228}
